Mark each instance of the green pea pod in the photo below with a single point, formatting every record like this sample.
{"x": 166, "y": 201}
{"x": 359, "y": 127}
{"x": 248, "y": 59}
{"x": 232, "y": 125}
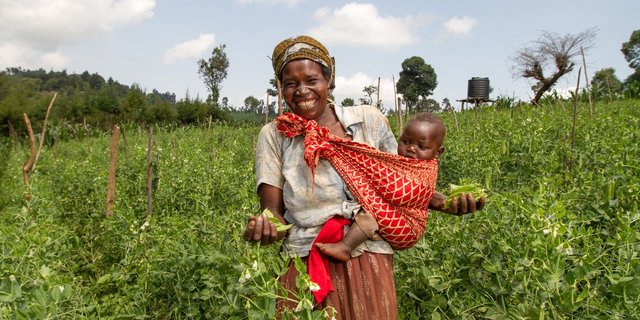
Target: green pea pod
{"x": 279, "y": 226}
{"x": 471, "y": 188}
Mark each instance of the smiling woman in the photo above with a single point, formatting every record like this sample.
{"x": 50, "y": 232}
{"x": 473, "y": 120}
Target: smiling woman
{"x": 305, "y": 68}
{"x": 318, "y": 203}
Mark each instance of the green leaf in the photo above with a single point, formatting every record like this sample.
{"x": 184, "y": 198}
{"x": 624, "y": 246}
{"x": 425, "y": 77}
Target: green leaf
{"x": 45, "y": 272}
{"x": 104, "y": 278}
{"x": 56, "y": 293}
{"x": 279, "y": 226}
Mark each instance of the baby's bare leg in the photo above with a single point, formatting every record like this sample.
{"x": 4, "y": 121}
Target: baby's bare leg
{"x": 364, "y": 227}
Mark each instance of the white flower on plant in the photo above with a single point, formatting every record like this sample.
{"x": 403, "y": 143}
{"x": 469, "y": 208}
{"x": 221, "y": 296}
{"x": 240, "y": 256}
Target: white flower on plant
{"x": 12, "y": 278}
{"x": 313, "y": 286}
{"x": 562, "y": 250}
{"x": 61, "y": 289}
{"x": 246, "y": 275}
{"x": 568, "y": 251}
{"x": 304, "y": 304}
{"x": 144, "y": 226}
{"x": 546, "y": 231}
{"x": 255, "y": 265}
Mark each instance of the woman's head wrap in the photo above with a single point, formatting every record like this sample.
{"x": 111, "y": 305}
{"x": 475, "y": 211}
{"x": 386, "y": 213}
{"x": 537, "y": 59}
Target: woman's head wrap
{"x": 302, "y": 47}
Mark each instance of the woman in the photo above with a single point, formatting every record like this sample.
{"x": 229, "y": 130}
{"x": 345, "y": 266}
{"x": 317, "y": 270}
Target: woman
{"x": 363, "y": 287}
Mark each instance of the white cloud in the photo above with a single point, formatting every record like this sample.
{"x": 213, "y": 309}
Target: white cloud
{"x": 54, "y": 60}
{"x": 460, "y": 26}
{"x": 289, "y": 3}
{"x": 190, "y": 49}
{"x": 352, "y": 87}
{"x": 15, "y": 55}
{"x": 359, "y": 24}
{"x": 39, "y": 28}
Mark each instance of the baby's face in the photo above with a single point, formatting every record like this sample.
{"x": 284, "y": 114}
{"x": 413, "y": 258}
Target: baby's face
{"x": 421, "y": 140}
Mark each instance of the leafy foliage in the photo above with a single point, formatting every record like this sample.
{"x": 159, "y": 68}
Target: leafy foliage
{"x": 213, "y": 71}
{"x": 552, "y": 243}
{"x": 89, "y": 98}
{"x": 631, "y": 50}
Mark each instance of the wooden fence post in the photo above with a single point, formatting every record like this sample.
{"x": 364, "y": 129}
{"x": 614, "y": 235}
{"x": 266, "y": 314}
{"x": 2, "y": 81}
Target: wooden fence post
{"x": 111, "y": 179}
{"x": 266, "y": 110}
{"x": 13, "y": 134}
{"x": 586, "y": 78}
{"x": 150, "y": 172}
{"x": 279, "y": 88}
{"x": 44, "y": 129}
{"x": 573, "y": 131}
{"x": 26, "y": 169}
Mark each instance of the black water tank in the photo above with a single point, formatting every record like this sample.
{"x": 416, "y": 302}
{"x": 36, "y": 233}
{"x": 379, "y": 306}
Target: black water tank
{"x": 478, "y": 88}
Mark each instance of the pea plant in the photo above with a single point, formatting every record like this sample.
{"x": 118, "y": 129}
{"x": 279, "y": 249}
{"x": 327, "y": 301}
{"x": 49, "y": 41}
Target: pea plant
{"x": 558, "y": 238}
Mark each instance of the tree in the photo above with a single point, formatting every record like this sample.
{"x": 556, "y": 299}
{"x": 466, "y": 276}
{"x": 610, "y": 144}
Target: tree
{"x": 631, "y": 51}
{"x": 428, "y": 105}
{"x": 213, "y": 71}
{"x": 133, "y": 104}
{"x": 550, "y": 52}
{"x": 605, "y": 83}
{"x": 417, "y": 81}
{"x": 369, "y": 90}
{"x": 348, "y": 102}
{"x": 251, "y": 104}
{"x": 446, "y": 105}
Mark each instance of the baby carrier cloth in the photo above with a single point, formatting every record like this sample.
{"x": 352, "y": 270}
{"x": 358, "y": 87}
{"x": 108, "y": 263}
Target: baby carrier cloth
{"x": 395, "y": 190}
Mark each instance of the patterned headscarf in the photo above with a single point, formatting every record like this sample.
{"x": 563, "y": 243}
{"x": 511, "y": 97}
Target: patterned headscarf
{"x": 302, "y": 47}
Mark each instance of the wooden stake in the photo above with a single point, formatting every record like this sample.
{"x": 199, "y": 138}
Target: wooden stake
{"x": 13, "y": 134}
{"x": 400, "y": 115}
{"x": 26, "y": 169}
{"x": 86, "y": 129}
{"x": 396, "y": 102}
{"x": 113, "y": 164}
{"x": 279, "y": 88}
{"x": 378, "y": 104}
{"x": 150, "y": 172}
{"x": 573, "y": 131}
{"x": 44, "y": 129}
{"x": 586, "y": 78}
{"x": 609, "y": 88}
{"x": 455, "y": 119}
{"x": 266, "y": 110}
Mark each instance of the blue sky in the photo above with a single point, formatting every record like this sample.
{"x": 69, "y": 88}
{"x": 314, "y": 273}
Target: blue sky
{"x": 156, "y": 44}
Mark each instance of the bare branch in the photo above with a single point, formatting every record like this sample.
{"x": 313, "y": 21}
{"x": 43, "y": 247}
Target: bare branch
{"x": 551, "y": 54}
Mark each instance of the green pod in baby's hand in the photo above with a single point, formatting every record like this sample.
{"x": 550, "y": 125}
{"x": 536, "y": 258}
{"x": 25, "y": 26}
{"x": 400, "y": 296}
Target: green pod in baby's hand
{"x": 471, "y": 188}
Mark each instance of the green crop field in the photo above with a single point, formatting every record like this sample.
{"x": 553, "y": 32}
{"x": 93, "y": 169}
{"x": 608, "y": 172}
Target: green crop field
{"x": 558, "y": 239}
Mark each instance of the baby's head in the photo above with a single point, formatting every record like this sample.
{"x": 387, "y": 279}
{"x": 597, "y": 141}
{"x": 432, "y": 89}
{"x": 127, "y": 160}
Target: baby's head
{"x": 423, "y": 137}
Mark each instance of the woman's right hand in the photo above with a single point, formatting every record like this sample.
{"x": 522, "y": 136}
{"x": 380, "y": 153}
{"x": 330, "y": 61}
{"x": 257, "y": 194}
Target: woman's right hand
{"x": 260, "y": 229}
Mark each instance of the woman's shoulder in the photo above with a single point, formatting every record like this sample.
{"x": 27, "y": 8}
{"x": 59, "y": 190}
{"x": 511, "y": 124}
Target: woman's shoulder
{"x": 361, "y": 113}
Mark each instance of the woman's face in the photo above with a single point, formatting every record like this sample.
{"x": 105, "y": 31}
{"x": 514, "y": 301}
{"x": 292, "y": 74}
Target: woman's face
{"x": 305, "y": 88}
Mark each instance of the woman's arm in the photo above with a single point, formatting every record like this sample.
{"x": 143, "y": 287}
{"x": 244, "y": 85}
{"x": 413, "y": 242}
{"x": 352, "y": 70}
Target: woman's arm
{"x": 258, "y": 227}
{"x": 459, "y": 205}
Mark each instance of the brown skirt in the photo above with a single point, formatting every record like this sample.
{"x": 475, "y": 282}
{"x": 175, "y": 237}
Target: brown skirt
{"x": 363, "y": 288}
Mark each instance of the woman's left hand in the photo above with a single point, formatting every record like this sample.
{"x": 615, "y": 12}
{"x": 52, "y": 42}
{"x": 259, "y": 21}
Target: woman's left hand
{"x": 461, "y": 205}
{"x": 260, "y": 229}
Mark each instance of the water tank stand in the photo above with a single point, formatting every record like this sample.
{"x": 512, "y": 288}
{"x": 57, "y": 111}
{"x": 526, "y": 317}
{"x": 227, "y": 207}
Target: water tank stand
{"x": 475, "y": 101}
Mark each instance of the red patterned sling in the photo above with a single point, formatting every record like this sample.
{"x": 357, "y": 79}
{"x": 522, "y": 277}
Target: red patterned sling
{"x": 395, "y": 190}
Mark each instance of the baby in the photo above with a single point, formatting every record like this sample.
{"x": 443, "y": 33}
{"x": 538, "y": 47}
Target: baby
{"x": 422, "y": 138}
